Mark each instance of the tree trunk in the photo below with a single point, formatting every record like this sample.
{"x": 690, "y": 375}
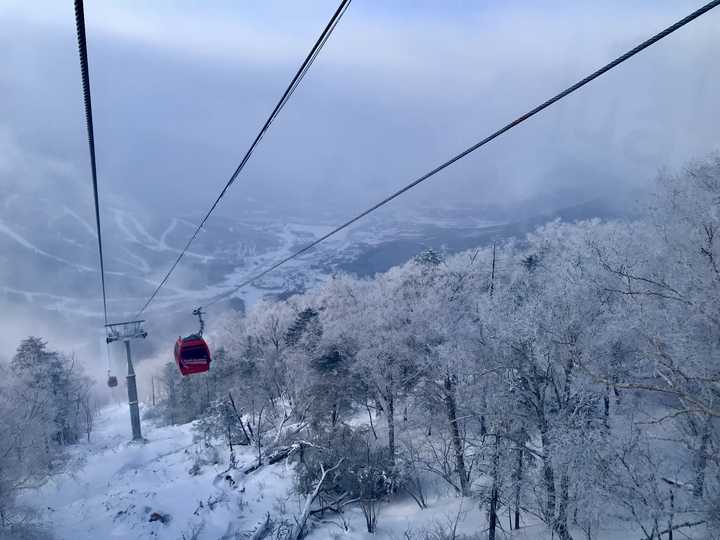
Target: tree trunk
{"x": 562, "y": 518}
{"x": 390, "y": 415}
{"x": 259, "y": 436}
{"x": 493, "y": 513}
{"x": 701, "y": 459}
{"x": 451, "y": 407}
{"x": 297, "y": 531}
{"x": 492, "y": 517}
{"x": 239, "y": 418}
{"x": 334, "y": 415}
{"x": 672, "y": 512}
{"x": 606, "y": 407}
{"x": 549, "y": 477}
{"x": 372, "y": 426}
{"x": 518, "y": 484}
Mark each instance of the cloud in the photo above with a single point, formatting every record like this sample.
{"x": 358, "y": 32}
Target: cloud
{"x": 180, "y": 88}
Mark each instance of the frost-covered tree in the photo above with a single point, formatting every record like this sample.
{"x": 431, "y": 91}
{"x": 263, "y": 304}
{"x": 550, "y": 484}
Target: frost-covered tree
{"x": 45, "y": 405}
{"x": 569, "y": 375}
{"x": 385, "y": 357}
{"x": 667, "y": 272}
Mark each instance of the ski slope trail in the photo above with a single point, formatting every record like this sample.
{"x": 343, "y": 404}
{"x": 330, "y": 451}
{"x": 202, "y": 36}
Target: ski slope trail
{"x": 119, "y": 490}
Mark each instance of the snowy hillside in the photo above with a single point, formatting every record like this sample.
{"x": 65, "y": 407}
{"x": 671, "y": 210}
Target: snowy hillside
{"x": 418, "y": 271}
{"x": 124, "y": 491}
{"x": 560, "y": 387}
{"x": 115, "y": 489}
{"x": 119, "y": 490}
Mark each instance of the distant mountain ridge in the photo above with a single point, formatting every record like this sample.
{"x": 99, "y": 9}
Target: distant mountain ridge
{"x": 57, "y": 255}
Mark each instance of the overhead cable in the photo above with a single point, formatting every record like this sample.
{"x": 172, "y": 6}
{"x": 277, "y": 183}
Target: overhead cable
{"x": 519, "y": 120}
{"x": 294, "y": 83}
{"x": 85, "y": 71}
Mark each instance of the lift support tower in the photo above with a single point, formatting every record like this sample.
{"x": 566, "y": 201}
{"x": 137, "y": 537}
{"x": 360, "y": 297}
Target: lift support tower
{"x": 125, "y": 331}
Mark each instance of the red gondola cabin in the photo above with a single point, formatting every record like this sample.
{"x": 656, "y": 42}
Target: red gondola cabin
{"x": 192, "y": 355}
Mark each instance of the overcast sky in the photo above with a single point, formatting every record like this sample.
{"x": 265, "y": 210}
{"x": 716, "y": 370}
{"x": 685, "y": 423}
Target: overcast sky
{"x": 181, "y": 87}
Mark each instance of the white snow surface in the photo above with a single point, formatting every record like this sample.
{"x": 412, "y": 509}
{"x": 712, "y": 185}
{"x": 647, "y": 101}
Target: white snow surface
{"x": 111, "y": 488}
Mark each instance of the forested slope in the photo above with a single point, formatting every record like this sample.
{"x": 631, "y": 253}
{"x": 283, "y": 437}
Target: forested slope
{"x": 569, "y": 380}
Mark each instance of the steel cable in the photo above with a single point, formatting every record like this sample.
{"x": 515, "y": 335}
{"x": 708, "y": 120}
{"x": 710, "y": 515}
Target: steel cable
{"x": 85, "y": 71}
{"x": 619, "y": 60}
{"x": 294, "y": 83}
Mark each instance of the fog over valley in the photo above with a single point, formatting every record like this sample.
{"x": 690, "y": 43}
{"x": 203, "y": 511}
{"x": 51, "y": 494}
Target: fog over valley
{"x": 179, "y": 92}
{"x": 512, "y": 335}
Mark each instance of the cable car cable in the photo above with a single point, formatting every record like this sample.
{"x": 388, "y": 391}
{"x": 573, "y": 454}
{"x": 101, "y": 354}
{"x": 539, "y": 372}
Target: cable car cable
{"x": 294, "y": 83}
{"x": 619, "y": 60}
{"x": 85, "y": 71}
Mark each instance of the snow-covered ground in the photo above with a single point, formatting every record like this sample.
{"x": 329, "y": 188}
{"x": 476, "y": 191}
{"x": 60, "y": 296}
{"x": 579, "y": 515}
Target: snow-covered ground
{"x": 113, "y": 489}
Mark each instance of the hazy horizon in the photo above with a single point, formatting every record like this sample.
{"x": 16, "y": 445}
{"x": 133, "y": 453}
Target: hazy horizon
{"x": 180, "y": 89}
